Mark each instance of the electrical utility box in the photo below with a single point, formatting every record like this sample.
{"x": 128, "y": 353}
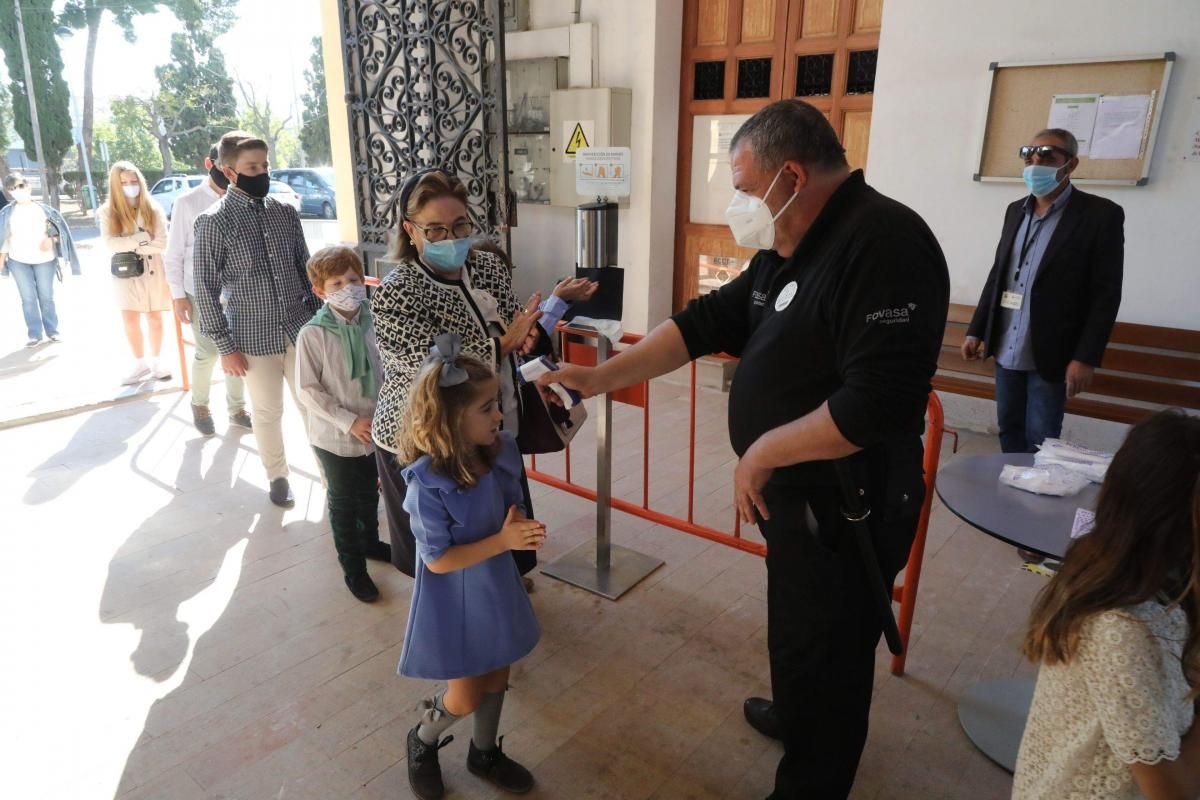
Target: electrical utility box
{"x": 584, "y": 118}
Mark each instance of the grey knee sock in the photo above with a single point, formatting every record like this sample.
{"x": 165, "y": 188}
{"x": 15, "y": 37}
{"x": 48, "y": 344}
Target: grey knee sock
{"x": 435, "y": 719}
{"x": 487, "y": 720}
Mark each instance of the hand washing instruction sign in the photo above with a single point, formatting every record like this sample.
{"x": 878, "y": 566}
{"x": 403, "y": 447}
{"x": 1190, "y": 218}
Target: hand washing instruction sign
{"x": 602, "y": 171}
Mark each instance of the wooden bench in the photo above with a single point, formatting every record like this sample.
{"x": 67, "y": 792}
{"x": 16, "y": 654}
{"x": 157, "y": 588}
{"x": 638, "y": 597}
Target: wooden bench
{"x": 1145, "y": 368}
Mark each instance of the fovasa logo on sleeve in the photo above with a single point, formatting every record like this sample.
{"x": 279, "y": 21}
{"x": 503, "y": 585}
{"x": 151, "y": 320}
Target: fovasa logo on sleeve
{"x": 892, "y": 316}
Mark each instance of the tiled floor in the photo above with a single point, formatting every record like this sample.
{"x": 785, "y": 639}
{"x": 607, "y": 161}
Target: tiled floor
{"x": 86, "y": 368}
{"x": 170, "y": 635}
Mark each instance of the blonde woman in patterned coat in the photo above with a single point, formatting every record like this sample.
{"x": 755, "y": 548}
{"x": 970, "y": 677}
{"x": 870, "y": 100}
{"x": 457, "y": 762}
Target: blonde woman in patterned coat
{"x": 438, "y": 284}
{"x": 1117, "y": 635}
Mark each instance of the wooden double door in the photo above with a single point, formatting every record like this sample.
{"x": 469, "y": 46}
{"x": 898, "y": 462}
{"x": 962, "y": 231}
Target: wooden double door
{"x": 738, "y": 56}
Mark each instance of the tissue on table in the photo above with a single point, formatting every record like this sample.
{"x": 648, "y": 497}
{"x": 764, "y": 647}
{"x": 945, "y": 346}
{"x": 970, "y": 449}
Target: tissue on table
{"x": 1092, "y": 464}
{"x": 1051, "y": 479}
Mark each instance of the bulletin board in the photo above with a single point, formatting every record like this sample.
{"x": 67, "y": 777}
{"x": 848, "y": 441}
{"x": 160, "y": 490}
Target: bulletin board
{"x": 1020, "y": 104}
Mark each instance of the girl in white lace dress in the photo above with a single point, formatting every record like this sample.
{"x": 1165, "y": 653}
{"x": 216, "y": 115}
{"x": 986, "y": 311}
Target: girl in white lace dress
{"x": 1117, "y": 635}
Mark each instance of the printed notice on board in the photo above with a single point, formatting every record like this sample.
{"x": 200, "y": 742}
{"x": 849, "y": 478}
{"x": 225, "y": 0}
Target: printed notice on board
{"x": 1191, "y": 150}
{"x": 1121, "y": 122}
{"x": 1077, "y": 114}
{"x": 602, "y": 171}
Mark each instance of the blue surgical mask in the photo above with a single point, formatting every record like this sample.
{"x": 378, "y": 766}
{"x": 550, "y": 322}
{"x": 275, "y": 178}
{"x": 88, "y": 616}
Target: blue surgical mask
{"x": 1040, "y": 179}
{"x": 447, "y": 255}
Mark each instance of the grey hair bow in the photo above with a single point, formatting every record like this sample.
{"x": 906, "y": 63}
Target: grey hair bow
{"x": 445, "y": 350}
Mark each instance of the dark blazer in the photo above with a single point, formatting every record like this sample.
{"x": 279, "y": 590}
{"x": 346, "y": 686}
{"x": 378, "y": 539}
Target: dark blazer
{"x": 1075, "y": 296}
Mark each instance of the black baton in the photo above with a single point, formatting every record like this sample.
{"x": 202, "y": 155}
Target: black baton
{"x": 856, "y": 511}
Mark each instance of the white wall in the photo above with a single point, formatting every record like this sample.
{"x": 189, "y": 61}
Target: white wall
{"x": 931, "y": 93}
{"x": 639, "y": 44}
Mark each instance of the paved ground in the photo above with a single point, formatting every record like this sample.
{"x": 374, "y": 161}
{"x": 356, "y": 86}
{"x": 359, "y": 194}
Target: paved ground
{"x": 171, "y": 635}
{"x": 86, "y": 368}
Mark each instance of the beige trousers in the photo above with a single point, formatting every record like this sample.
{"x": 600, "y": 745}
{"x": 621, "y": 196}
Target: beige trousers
{"x": 264, "y": 380}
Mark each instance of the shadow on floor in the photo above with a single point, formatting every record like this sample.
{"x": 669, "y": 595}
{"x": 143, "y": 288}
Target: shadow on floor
{"x": 102, "y": 437}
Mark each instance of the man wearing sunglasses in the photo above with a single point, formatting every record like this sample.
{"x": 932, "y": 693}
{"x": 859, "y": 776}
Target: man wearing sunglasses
{"x": 1050, "y": 301}
{"x": 33, "y": 239}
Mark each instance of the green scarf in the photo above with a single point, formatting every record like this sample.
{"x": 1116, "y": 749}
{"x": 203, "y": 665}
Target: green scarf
{"x": 354, "y": 344}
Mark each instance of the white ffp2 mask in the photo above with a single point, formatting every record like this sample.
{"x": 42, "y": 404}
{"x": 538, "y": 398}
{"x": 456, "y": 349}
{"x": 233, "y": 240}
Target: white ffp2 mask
{"x": 750, "y": 219}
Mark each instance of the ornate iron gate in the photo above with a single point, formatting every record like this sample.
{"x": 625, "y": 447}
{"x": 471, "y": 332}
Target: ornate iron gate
{"x": 424, "y": 87}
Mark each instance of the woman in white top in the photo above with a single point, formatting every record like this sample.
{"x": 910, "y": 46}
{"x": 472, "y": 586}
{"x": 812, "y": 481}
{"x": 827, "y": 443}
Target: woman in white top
{"x": 1117, "y": 635}
{"x": 130, "y": 222}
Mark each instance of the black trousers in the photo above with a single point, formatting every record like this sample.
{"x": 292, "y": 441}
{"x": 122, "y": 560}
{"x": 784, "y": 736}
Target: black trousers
{"x": 404, "y": 546}
{"x": 822, "y": 630}
{"x": 353, "y": 502}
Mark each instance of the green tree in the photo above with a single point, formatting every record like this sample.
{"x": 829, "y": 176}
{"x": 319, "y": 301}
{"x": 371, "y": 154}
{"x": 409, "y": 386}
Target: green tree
{"x": 81, "y": 14}
{"x": 259, "y": 119}
{"x": 129, "y": 134}
{"x": 5, "y": 121}
{"x": 195, "y": 100}
{"x": 214, "y": 16}
{"x": 50, "y": 91}
{"x": 314, "y": 127}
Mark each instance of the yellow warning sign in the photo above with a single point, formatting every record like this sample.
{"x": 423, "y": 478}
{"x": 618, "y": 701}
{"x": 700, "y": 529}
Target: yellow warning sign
{"x": 578, "y": 139}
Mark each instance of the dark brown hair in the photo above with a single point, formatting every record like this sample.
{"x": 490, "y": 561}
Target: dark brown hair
{"x": 1145, "y": 543}
{"x": 332, "y": 262}
{"x": 234, "y": 143}
{"x": 432, "y": 425}
{"x": 430, "y": 186}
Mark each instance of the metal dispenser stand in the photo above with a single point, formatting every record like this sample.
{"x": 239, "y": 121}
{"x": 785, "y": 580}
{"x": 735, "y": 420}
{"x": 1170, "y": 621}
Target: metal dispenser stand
{"x": 602, "y": 568}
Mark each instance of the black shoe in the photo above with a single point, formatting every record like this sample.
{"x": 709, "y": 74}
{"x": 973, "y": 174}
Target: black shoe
{"x": 362, "y": 587}
{"x": 241, "y": 419}
{"x": 1030, "y": 556}
{"x": 379, "y": 551}
{"x": 424, "y": 772}
{"x": 281, "y": 493}
{"x": 203, "y": 420}
{"x": 762, "y": 716}
{"x": 499, "y": 768}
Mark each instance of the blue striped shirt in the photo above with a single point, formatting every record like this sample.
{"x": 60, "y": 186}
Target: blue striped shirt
{"x": 1015, "y": 348}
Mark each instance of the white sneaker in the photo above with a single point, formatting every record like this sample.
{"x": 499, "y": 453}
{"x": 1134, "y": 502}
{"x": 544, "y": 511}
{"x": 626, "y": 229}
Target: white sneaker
{"x": 140, "y": 373}
{"x": 160, "y": 373}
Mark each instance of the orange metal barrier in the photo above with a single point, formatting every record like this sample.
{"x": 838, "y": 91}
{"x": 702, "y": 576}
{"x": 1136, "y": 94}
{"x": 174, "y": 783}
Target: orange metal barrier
{"x": 639, "y": 395}
{"x": 905, "y": 594}
{"x": 184, "y": 377}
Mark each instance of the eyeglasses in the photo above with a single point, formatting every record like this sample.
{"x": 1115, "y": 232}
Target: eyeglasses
{"x": 439, "y": 233}
{"x": 1042, "y": 151}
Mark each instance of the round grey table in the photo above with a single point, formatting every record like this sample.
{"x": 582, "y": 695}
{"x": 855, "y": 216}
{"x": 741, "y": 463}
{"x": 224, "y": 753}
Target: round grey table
{"x": 993, "y": 713}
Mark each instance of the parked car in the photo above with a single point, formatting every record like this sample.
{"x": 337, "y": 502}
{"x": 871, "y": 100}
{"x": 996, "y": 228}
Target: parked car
{"x": 169, "y": 188}
{"x": 315, "y": 187}
{"x": 284, "y": 194}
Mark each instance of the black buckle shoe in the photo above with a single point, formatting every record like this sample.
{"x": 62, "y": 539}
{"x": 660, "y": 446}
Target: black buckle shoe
{"x": 281, "y": 493}
{"x": 762, "y": 716}
{"x": 424, "y": 771}
{"x": 499, "y": 768}
{"x": 362, "y": 587}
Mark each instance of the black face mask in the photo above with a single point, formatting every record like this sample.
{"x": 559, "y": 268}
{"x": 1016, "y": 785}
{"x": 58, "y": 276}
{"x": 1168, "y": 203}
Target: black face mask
{"x": 254, "y": 185}
{"x": 218, "y": 177}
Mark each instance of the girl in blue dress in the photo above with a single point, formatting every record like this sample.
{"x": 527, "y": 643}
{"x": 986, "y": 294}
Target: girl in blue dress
{"x": 470, "y": 616}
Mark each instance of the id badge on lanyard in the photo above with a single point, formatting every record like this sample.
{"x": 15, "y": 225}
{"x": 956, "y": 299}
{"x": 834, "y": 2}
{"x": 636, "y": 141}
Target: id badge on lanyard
{"x": 1012, "y": 300}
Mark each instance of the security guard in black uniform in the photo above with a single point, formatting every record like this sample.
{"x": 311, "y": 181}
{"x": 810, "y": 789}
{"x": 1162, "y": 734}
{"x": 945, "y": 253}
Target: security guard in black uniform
{"x": 838, "y": 322}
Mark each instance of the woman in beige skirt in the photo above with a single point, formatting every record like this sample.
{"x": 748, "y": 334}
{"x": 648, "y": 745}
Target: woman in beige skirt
{"x": 130, "y": 222}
